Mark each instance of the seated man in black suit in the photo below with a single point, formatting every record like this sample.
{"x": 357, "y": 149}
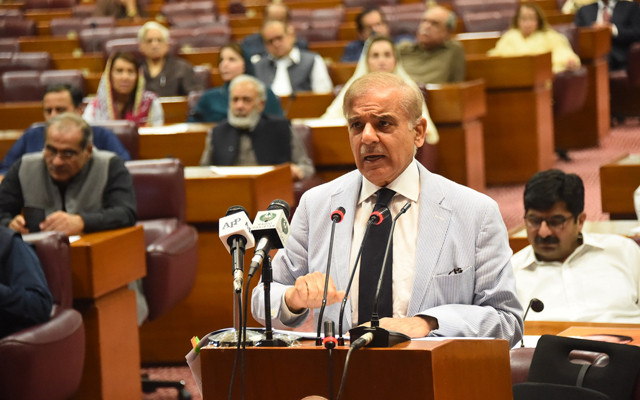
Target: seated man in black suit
{"x": 58, "y": 99}
{"x": 249, "y": 137}
{"x": 622, "y": 18}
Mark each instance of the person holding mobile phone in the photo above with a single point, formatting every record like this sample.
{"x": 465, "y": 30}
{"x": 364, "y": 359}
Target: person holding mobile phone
{"x": 81, "y": 189}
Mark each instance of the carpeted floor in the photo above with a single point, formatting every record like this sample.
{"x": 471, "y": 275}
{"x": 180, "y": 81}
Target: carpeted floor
{"x": 623, "y": 140}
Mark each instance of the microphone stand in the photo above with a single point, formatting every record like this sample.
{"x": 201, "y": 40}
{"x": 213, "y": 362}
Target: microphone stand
{"x": 381, "y": 336}
{"x": 267, "y": 278}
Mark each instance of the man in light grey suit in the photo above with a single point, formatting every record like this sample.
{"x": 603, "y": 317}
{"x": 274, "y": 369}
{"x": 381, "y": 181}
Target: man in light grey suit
{"x": 451, "y": 270}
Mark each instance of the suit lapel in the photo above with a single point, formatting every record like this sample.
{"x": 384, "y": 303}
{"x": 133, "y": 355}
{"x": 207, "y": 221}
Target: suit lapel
{"x": 344, "y": 230}
{"x": 432, "y": 230}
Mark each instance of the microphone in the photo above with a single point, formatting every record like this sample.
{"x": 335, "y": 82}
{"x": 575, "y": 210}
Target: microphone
{"x": 329, "y": 341}
{"x": 375, "y": 218}
{"x": 235, "y": 233}
{"x": 536, "y": 305}
{"x": 272, "y": 227}
{"x": 336, "y": 217}
{"x": 381, "y": 336}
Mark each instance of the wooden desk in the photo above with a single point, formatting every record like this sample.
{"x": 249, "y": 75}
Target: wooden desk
{"x": 427, "y": 370}
{"x": 306, "y": 104}
{"x": 591, "y": 123}
{"x": 51, "y": 44}
{"x": 518, "y": 237}
{"x": 20, "y": 114}
{"x": 209, "y": 194}
{"x": 555, "y": 327}
{"x": 102, "y": 264}
{"x": 518, "y": 127}
{"x": 210, "y": 304}
{"x": 456, "y": 110}
{"x": 618, "y": 181}
{"x": 587, "y": 331}
{"x": 7, "y": 139}
{"x": 183, "y": 141}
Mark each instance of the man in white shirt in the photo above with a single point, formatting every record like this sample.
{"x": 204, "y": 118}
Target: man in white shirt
{"x": 288, "y": 69}
{"x": 578, "y": 276}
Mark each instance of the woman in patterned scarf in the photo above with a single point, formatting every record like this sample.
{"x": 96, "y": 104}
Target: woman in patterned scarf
{"x": 121, "y": 95}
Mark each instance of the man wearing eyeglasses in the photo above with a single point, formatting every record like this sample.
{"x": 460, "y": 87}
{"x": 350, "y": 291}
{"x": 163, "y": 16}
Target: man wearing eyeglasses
{"x": 75, "y": 187}
{"x": 59, "y": 98}
{"x": 579, "y": 276}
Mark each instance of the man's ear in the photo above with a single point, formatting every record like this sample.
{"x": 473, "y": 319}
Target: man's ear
{"x": 420, "y": 131}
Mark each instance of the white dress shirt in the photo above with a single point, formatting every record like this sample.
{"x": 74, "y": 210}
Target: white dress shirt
{"x": 598, "y": 282}
{"x": 320, "y": 79}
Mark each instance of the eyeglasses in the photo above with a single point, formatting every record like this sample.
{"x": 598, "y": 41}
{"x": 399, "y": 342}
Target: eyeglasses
{"x": 555, "y": 222}
{"x": 66, "y": 154}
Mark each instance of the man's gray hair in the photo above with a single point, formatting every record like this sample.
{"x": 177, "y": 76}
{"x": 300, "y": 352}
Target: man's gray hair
{"x": 70, "y": 119}
{"x": 262, "y": 93}
{"x": 153, "y": 25}
{"x": 412, "y": 98}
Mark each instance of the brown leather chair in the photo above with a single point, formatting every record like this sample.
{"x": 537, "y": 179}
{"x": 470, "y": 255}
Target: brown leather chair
{"x": 72, "y": 77}
{"x": 11, "y": 13}
{"x": 624, "y": 86}
{"x": 320, "y": 31}
{"x": 127, "y": 133}
{"x": 203, "y": 75}
{"x": 9, "y": 45}
{"x": 194, "y": 21}
{"x": 486, "y": 21}
{"x": 188, "y": 8}
{"x": 48, "y": 4}
{"x": 172, "y": 245}
{"x": 66, "y": 26}
{"x": 14, "y": 27}
{"x": 199, "y": 37}
{"x": 21, "y": 86}
{"x": 46, "y": 361}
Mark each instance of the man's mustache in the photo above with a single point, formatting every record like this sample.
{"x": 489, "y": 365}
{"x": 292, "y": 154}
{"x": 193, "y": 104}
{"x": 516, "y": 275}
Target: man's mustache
{"x": 547, "y": 240}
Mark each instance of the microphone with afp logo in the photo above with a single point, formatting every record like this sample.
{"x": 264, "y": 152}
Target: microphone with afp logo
{"x": 271, "y": 229}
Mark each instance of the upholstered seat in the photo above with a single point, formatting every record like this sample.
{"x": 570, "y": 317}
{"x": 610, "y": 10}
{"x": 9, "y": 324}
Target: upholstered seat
{"x": 608, "y": 368}
{"x": 46, "y": 361}
{"x": 172, "y": 245}
{"x": 127, "y": 133}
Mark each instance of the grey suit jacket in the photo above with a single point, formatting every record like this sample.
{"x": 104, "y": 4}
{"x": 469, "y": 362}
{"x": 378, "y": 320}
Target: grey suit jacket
{"x": 458, "y": 228}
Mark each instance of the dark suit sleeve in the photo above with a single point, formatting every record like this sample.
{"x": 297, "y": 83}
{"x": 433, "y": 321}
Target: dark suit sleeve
{"x": 627, "y": 23}
{"x": 11, "y": 200}
{"x": 25, "y": 298}
{"x": 582, "y": 17}
{"x": 104, "y": 139}
{"x": 119, "y": 201}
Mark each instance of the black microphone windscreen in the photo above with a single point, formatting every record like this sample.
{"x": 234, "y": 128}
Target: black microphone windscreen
{"x": 236, "y": 209}
{"x": 282, "y": 205}
{"x": 537, "y": 305}
{"x": 338, "y": 214}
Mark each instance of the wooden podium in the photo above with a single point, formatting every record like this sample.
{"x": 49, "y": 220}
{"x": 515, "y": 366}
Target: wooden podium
{"x": 518, "y": 127}
{"x": 440, "y": 370}
{"x": 102, "y": 265}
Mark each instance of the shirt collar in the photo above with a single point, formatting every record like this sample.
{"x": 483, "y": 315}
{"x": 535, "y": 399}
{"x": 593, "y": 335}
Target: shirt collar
{"x": 611, "y": 4}
{"x": 404, "y": 184}
{"x": 293, "y": 56}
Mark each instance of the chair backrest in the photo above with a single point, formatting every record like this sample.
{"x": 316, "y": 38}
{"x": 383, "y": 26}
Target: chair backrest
{"x": 203, "y": 75}
{"x": 188, "y": 8}
{"x": 633, "y": 64}
{"x": 54, "y": 254}
{"x": 66, "y": 26}
{"x": 11, "y": 45}
{"x": 73, "y": 77}
{"x": 84, "y": 10}
{"x": 486, "y": 21}
{"x": 552, "y": 363}
{"x": 11, "y": 13}
{"x": 160, "y": 188}
{"x": 21, "y": 86}
{"x": 127, "y": 133}
{"x": 570, "y": 90}
{"x": 199, "y": 37}
{"x": 321, "y": 31}
{"x": 48, "y": 4}
{"x": 14, "y": 27}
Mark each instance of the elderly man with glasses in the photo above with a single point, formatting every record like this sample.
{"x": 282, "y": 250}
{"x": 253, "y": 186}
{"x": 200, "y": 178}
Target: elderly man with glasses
{"x": 69, "y": 187}
{"x": 579, "y": 276}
